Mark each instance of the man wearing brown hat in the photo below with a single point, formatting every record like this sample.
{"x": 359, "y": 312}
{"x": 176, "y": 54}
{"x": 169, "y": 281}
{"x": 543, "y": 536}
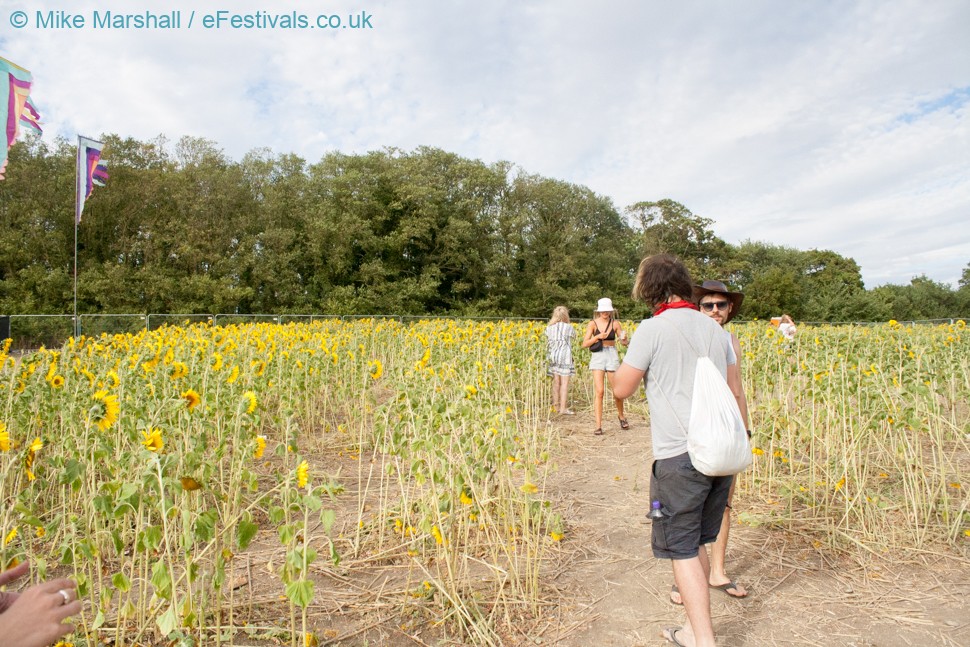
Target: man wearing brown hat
{"x": 720, "y": 304}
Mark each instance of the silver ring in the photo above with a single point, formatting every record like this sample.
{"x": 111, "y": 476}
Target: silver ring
{"x": 65, "y": 595}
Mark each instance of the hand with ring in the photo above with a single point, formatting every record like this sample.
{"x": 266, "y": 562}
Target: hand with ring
{"x": 35, "y": 617}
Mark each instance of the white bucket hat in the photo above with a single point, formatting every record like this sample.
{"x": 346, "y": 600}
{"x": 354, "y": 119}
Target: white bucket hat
{"x": 604, "y": 305}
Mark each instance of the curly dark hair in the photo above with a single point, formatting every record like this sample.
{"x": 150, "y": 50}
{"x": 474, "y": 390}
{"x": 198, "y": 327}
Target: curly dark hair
{"x": 660, "y": 277}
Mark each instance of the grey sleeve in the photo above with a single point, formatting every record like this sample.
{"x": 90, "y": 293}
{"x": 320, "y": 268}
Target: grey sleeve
{"x": 640, "y": 352}
{"x": 731, "y": 357}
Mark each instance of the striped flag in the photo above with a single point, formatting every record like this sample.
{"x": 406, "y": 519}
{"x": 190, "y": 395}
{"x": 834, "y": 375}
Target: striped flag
{"x": 91, "y": 172}
{"x": 16, "y": 110}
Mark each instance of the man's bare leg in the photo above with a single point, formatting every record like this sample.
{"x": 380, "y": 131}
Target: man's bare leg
{"x": 692, "y": 576}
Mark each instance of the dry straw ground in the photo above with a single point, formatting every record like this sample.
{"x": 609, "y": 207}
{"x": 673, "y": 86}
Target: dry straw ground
{"x": 603, "y": 587}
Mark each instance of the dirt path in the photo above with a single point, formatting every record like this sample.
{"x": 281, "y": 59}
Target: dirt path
{"x": 613, "y": 592}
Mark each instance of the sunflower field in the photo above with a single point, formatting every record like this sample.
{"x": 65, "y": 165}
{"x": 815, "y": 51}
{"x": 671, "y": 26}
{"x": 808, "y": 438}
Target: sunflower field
{"x": 153, "y": 467}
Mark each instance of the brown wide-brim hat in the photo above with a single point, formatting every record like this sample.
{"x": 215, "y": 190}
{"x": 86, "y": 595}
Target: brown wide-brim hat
{"x": 717, "y": 287}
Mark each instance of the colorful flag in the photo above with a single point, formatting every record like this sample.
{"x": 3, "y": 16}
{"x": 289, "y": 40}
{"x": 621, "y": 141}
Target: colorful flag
{"x": 91, "y": 172}
{"x": 16, "y": 110}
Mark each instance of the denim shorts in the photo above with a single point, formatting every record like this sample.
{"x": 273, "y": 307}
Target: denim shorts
{"x": 693, "y": 505}
{"x": 605, "y": 360}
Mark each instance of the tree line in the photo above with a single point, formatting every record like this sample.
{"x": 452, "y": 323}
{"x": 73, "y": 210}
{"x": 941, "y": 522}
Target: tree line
{"x": 182, "y": 228}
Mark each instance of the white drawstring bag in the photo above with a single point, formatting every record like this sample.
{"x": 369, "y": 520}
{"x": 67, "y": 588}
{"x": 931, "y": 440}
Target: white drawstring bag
{"x": 717, "y": 441}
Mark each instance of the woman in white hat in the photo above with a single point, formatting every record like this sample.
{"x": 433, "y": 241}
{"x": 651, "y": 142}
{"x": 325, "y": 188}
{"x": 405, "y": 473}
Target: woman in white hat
{"x": 602, "y": 333}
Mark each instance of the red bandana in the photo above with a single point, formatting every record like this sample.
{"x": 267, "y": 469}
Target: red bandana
{"x": 673, "y": 305}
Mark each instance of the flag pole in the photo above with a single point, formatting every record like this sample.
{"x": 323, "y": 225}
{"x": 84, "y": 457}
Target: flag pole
{"x": 95, "y": 174}
{"x": 77, "y": 193}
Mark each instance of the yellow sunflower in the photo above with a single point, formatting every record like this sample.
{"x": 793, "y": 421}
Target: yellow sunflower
{"x": 250, "y": 399}
{"x": 179, "y": 370}
{"x": 105, "y": 411}
{"x": 35, "y": 447}
{"x": 192, "y": 398}
{"x": 260, "y": 447}
{"x": 376, "y": 369}
{"x": 4, "y": 438}
{"x": 302, "y": 474}
{"x": 153, "y": 440}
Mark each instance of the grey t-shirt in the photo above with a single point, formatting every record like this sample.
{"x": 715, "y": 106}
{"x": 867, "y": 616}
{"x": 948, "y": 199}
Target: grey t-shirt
{"x": 667, "y": 348}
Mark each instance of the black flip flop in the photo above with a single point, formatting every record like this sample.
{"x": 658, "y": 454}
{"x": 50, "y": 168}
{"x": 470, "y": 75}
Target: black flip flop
{"x": 670, "y": 633}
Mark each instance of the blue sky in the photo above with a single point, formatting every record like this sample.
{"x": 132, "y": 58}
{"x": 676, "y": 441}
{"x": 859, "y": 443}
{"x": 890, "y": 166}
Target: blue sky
{"x": 814, "y": 124}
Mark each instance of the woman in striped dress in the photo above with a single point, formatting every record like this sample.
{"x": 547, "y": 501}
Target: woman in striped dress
{"x": 559, "y": 340}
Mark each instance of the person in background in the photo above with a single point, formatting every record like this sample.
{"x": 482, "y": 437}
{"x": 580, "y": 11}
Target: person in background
{"x": 663, "y": 355}
{"x": 603, "y": 364}
{"x": 787, "y": 327}
{"x": 35, "y": 618}
{"x": 722, "y": 305}
{"x": 559, "y": 342}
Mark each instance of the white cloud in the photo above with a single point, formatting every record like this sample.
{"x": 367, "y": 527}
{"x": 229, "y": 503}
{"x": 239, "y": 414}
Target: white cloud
{"x": 829, "y": 124}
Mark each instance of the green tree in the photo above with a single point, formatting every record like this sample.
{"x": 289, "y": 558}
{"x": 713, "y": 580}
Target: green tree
{"x": 670, "y": 227}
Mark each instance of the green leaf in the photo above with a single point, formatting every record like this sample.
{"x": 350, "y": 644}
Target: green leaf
{"x": 167, "y": 621}
{"x": 245, "y": 532}
{"x": 286, "y": 534}
{"x": 312, "y": 502}
{"x": 162, "y": 581}
{"x": 116, "y": 539}
{"x": 327, "y": 518}
{"x": 205, "y": 526}
{"x": 121, "y": 582}
{"x": 334, "y": 555}
{"x": 277, "y": 515}
{"x": 300, "y": 592}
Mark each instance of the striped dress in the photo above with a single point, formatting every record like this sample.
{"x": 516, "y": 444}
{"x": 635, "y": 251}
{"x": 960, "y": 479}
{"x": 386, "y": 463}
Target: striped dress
{"x": 559, "y": 340}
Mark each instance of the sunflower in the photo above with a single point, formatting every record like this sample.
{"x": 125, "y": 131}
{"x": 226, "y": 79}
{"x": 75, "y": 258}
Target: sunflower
{"x": 250, "y": 399}
{"x": 153, "y": 440}
{"x": 105, "y": 410}
{"x": 192, "y": 398}
{"x": 179, "y": 370}
{"x": 260, "y": 447}
{"x": 35, "y": 447}
{"x": 57, "y": 381}
{"x": 10, "y": 536}
{"x": 233, "y": 375}
{"x": 302, "y": 474}
{"x": 4, "y": 438}
{"x": 376, "y": 369}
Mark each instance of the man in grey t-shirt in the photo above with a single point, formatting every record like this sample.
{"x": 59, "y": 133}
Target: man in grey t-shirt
{"x": 663, "y": 353}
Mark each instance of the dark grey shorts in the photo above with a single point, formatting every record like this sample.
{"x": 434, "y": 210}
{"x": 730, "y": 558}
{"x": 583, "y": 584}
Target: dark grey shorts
{"x": 693, "y": 504}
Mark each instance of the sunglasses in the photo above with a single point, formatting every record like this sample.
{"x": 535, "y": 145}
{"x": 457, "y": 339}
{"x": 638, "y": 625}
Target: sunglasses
{"x": 710, "y": 305}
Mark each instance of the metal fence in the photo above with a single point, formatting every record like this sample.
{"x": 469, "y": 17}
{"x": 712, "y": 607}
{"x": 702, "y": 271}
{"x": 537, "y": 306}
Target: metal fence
{"x": 33, "y": 331}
